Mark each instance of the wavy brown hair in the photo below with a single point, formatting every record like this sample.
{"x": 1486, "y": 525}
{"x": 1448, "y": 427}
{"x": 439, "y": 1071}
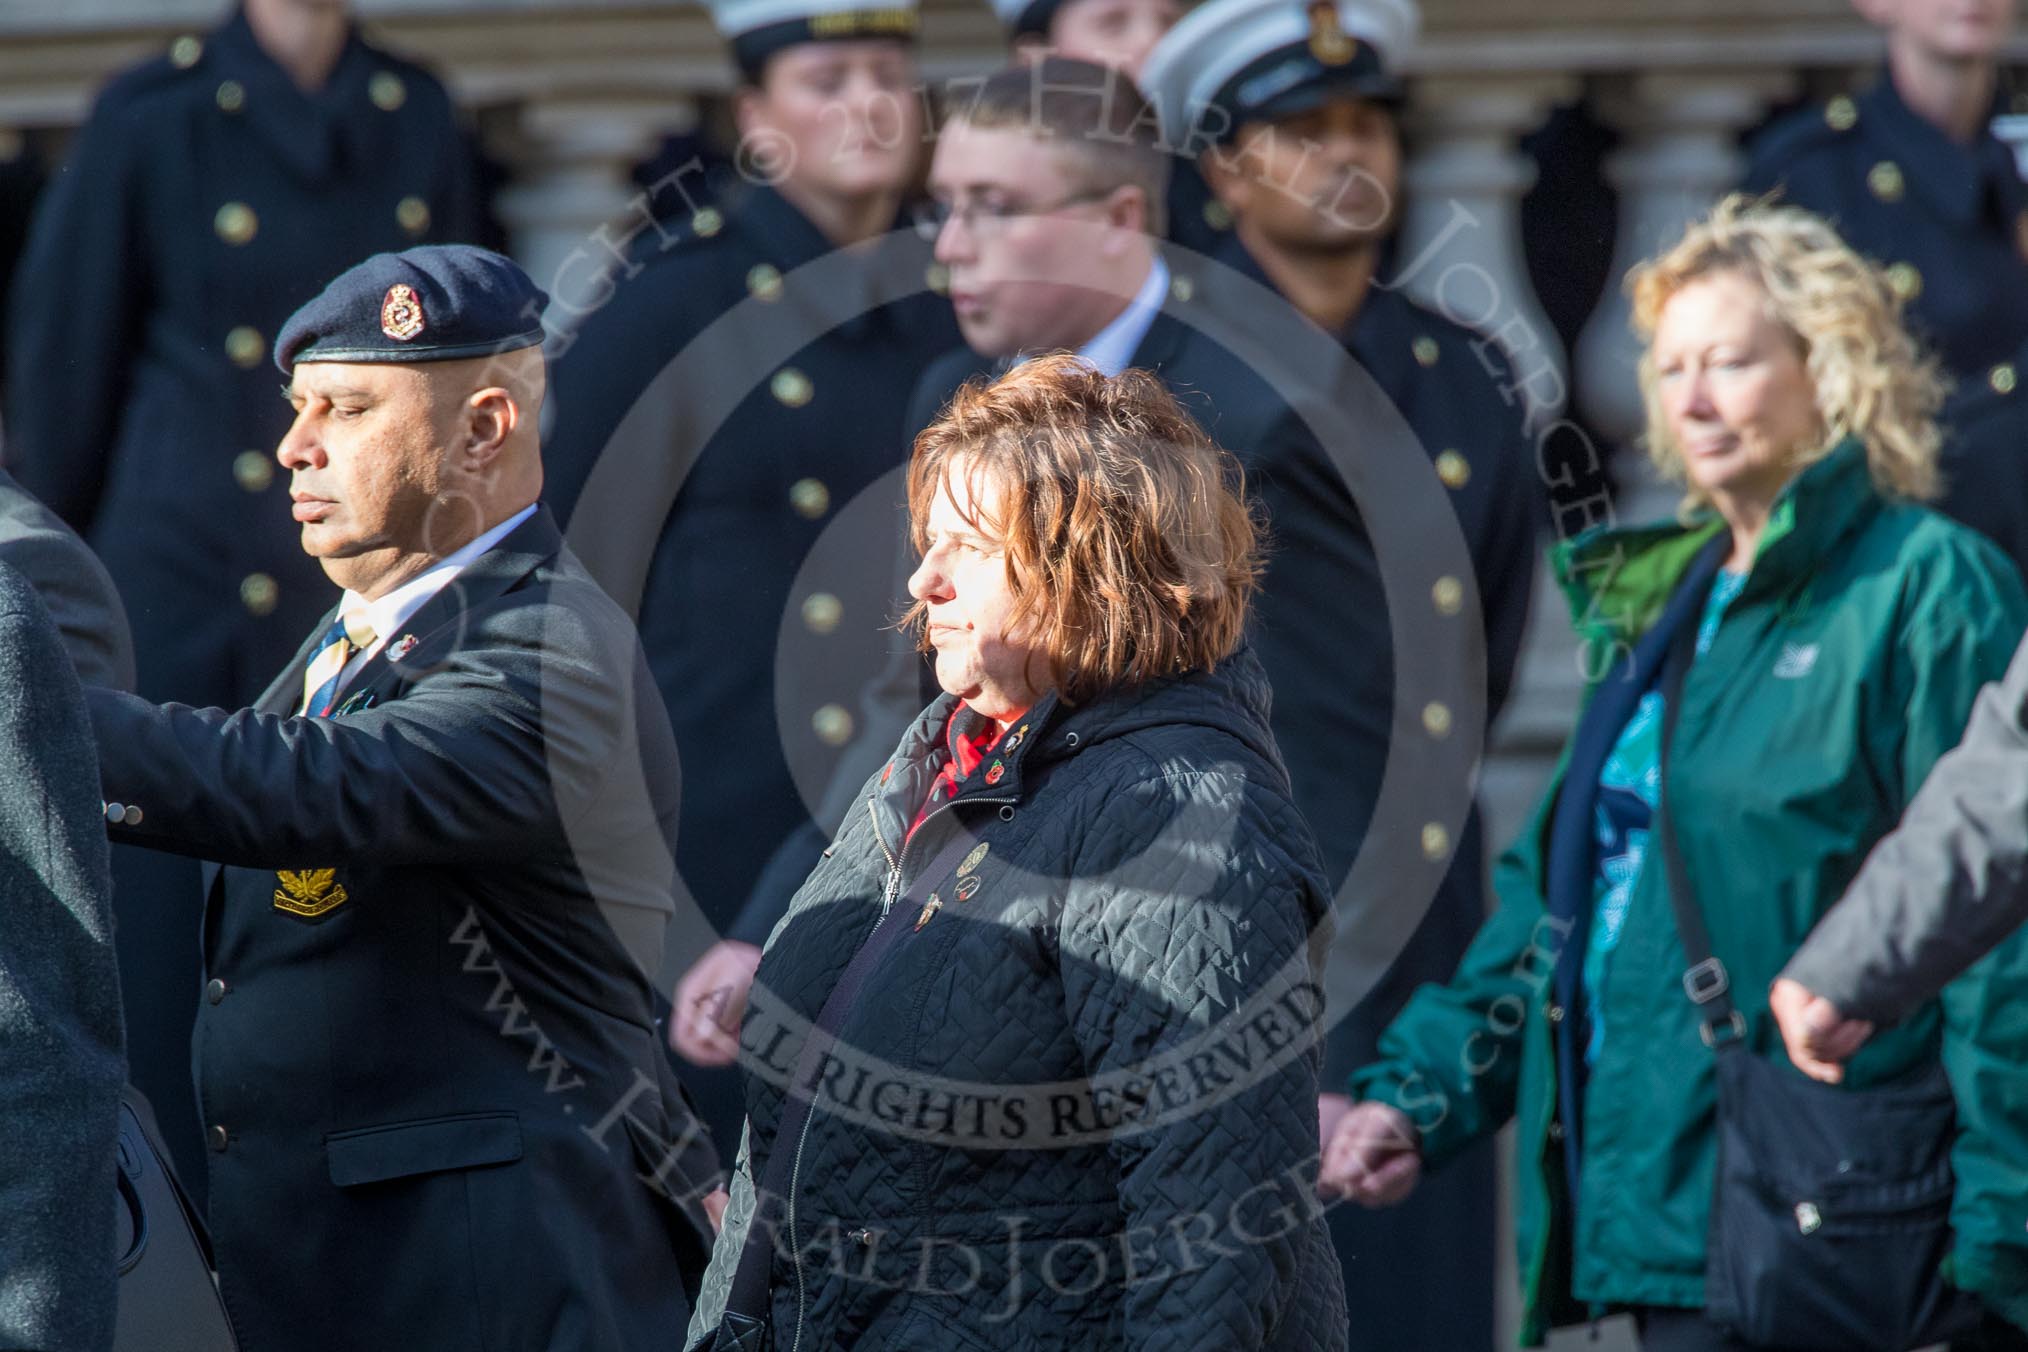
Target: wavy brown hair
{"x": 1872, "y": 381}
{"x": 1130, "y": 549}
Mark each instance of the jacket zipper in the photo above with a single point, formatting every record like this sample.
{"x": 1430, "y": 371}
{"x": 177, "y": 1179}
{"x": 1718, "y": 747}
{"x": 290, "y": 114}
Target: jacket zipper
{"x": 888, "y": 894}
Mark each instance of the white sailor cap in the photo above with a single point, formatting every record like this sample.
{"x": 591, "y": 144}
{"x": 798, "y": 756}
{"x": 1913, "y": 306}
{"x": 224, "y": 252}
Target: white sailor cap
{"x": 757, "y": 29}
{"x": 1230, "y": 62}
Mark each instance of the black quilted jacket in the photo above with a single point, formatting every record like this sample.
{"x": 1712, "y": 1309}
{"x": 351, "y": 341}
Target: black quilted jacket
{"x": 1075, "y": 1105}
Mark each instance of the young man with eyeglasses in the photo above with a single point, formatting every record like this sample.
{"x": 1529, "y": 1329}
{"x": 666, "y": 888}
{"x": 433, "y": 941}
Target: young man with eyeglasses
{"x": 724, "y": 398}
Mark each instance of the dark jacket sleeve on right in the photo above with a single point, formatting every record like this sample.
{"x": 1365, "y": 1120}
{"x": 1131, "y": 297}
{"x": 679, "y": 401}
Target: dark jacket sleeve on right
{"x": 1945, "y": 886}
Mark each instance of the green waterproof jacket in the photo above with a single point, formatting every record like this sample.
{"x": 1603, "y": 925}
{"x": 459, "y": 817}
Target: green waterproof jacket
{"x": 1844, "y": 668}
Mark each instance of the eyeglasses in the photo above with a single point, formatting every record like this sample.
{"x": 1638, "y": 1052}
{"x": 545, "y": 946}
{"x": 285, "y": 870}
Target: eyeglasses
{"x": 983, "y": 219}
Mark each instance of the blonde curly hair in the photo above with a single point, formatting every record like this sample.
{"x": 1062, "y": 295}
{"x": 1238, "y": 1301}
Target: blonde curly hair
{"x": 1871, "y": 379}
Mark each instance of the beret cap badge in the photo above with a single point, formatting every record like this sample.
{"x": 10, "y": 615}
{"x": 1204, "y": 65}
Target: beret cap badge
{"x": 401, "y": 314}
{"x": 1329, "y": 42}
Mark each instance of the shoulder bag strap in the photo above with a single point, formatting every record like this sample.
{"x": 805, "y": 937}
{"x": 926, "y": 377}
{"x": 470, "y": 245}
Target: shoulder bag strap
{"x": 1705, "y": 982}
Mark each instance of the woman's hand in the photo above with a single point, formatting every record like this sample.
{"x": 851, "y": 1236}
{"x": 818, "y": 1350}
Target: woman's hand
{"x": 710, "y": 1001}
{"x": 1374, "y": 1157}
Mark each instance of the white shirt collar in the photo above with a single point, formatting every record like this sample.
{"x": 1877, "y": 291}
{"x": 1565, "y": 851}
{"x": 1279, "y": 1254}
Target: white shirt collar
{"x": 398, "y": 607}
{"x": 1112, "y": 348}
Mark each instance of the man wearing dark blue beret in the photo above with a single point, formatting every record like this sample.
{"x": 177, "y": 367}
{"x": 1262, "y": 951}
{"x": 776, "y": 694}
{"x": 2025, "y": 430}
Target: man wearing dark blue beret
{"x": 433, "y": 1089}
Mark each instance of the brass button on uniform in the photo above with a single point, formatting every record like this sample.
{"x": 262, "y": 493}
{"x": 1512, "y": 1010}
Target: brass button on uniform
{"x": 764, "y": 282}
{"x": 1425, "y": 350}
{"x": 1906, "y": 279}
{"x": 387, "y": 91}
{"x": 1217, "y": 215}
{"x": 791, "y": 387}
{"x": 253, "y": 471}
{"x": 1883, "y": 180}
{"x": 1840, "y": 114}
{"x": 185, "y": 51}
{"x": 833, "y": 724}
{"x": 218, "y": 1138}
{"x": 708, "y": 222}
{"x": 938, "y": 278}
{"x": 245, "y": 347}
{"x": 821, "y": 612}
{"x": 231, "y": 96}
{"x": 1436, "y": 842}
{"x": 1449, "y": 595}
{"x": 236, "y": 223}
{"x": 1453, "y": 469}
{"x": 2002, "y": 378}
{"x": 1182, "y": 288}
{"x": 810, "y": 498}
{"x": 412, "y": 214}
{"x": 258, "y": 593}
{"x": 214, "y": 990}
{"x": 1436, "y": 718}
{"x": 1554, "y": 1013}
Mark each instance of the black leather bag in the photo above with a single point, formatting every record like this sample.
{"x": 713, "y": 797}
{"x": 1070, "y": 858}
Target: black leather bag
{"x": 168, "y": 1300}
{"x": 1830, "y": 1207}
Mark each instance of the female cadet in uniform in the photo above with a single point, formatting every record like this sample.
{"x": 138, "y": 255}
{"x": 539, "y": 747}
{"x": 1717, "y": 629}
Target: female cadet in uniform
{"x": 1078, "y": 1086}
{"x": 1841, "y": 632}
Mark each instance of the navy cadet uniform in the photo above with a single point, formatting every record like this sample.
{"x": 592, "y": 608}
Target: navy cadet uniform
{"x": 1196, "y": 219}
{"x": 437, "y": 1105}
{"x": 1422, "y": 1271}
{"x": 1949, "y": 222}
{"x": 762, "y": 576}
{"x": 200, "y": 205}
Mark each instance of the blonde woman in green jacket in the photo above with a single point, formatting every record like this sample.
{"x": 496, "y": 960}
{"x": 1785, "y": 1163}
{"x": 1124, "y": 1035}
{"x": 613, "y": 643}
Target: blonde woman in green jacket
{"x": 1841, "y": 633}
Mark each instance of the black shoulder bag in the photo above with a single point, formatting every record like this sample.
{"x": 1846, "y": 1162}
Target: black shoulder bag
{"x": 1830, "y": 1208}
{"x": 745, "y": 1325}
{"x": 168, "y": 1300}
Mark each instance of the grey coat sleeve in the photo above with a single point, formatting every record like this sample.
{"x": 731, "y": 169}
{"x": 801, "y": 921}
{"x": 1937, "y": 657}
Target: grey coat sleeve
{"x": 72, "y": 584}
{"x": 1946, "y": 885}
{"x": 61, "y": 1058}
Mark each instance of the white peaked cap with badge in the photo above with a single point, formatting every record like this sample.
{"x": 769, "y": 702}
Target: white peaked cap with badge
{"x": 1229, "y": 62}
{"x": 757, "y": 29}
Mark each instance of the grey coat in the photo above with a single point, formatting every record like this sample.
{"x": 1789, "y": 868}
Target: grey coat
{"x": 60, "y": 1039}
{"x": 72, "y": 583}
{"x": 1075, "y": 1106}
{"x": 1947, "y": 885}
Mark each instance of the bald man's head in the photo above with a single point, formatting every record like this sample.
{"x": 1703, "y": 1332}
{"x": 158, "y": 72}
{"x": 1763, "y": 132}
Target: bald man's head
{"x": 395, "y": 465}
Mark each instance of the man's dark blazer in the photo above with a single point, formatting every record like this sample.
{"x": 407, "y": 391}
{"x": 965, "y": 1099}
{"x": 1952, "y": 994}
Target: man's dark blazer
{"x": 428, "y": 1061}
{"x": 72, "y": 583}
{"x": 60, "y": 1059}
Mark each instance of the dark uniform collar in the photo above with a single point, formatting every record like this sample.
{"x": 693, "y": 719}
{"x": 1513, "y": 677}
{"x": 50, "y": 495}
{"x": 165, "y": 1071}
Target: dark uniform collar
{"x": 308, "y": 131}
{"x": 1956, "y": 181}
{"x": 780, "y": 233}
{"x": 1371, "y": 336}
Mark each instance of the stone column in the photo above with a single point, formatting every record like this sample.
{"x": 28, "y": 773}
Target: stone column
{"x": 1679, "y": 154}
{"x": 571, "y": 205}
{"x": 1460, "y": 248}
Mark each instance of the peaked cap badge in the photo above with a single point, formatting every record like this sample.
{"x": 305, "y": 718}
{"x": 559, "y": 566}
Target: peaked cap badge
{"x": 1328, "y": 40}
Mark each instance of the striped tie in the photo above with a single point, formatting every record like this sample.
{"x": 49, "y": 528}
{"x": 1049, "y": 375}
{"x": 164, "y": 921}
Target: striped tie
{"x": 349, "y": 634}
